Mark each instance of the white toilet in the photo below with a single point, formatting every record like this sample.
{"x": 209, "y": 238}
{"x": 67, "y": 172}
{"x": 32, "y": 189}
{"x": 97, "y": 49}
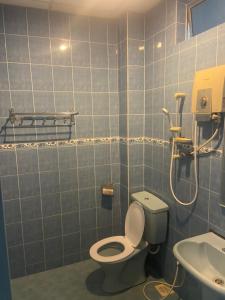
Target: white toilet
{"x": 122, "y": 258}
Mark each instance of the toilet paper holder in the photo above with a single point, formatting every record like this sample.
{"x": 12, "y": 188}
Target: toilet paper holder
{"x": 107, "y": 190}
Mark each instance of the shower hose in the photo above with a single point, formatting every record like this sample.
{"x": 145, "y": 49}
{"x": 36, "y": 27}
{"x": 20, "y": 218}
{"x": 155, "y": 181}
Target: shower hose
{"x": 195, "y": 152}
{"x": 171, "y": 286}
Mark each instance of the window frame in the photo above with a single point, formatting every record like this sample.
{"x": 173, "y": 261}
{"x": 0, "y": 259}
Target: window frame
{"x": 190, "y": 5}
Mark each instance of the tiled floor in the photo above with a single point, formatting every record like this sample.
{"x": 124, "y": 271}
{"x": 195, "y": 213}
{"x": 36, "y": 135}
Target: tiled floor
{"x": 80, "y": 281}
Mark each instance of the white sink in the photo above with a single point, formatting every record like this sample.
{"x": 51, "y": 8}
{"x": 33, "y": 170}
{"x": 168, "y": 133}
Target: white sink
{"x": 204, "y": 257}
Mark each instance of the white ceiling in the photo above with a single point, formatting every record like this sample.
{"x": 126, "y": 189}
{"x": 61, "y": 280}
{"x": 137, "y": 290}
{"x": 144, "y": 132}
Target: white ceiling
{"x": 101, "y": 8}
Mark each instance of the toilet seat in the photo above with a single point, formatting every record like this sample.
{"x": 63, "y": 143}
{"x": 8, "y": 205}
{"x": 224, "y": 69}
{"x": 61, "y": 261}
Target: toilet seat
{"x": 134, "y": 228}
{"x": 127, "y": 251}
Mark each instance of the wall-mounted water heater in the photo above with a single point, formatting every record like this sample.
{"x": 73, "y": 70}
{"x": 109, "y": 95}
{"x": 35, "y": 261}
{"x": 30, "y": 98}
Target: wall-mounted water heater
{"x": 208, "y": 95}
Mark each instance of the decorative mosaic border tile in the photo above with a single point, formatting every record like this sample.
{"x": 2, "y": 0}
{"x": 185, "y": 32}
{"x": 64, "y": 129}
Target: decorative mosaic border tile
{"x": 102, "y": 140}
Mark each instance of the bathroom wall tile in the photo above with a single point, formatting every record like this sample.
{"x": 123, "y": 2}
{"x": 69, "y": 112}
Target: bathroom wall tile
{"x": 102, "y": 154}
{"x": 31, "y": 208}
{"x": 171, "y": 70}
{"x": 88, "y": 238}
{"x": 59, "y": 25}
{"x": 136, "y": 125}
{"x": 157, "y": 100}
{"x": 67, "y": 158}
{"x": 32, "y": 231}
{"x": 42, "y": 78}
{"x": 9, "y": 187}
{"x": 34, "y": 253}
{"x": 103, "y": 175}
{"x": 48, "y": 159}
{"x": 85, "y": 155}
{"x": 61, "y": 52}
{"x": 82, "y": 79}
{"x": 44, "y": 101}
{"x": 71, "y": 243}
{"x": 149, "y": 76}
{"x": 136, "y": 154}
{"x": 99, "y": 55}
{"x": 51, "y": 204}
{"x": 113, "y": 56}
{"x": 39, "y": 50}
{"x": 206, "y": 54}
{"x": 187, "y": 64}
{"x": 16, "y": 261}
{"x": 62, "y": 77}
{"x": 104, "y": 217}
{"x": 49, "y": 182}
{"x": 80, "y": 54}
{"x": 135, "y": 52}
{"x": 88, "y": 219}
{"x": 86, "y": 177}
{"x": 149, "y": 46}
{"x": 2, "y": 48}
{"x": 64, "y": 101}
{"x": 83, "y": 103}
{"x": 29, "y": 185}
{"x": 19, "y": 76}
{"x": 52, "y": 226}
{"x": 68, "y": 180}
{"x": 35, "y": 268}
{"x": 86, "y": 198}
{"x": 136, "y": 78}
{"x": 69, "y": 201}
{"x": 113, "y": 80}
{"x": 100, "y": 104}
{"x": 15, "y": 20}
{"x": 114, "y": 103}
{"x": 101, "y": 126}
{"x": 159, "y": 73}
{"x": 1, "y": 20}
{"x": 172, "y": 45}
{"x": 21, "y": 101}
{"x": 70, "y": 222}
{"x": 99, "y": 80}
{"x": 14, "y": 234}
{"x": 17, "y": 48}
{"x": 84, "y": 126}
{"x": 79, "y": 27}
{"x": 136, "y": 102}
{"x": 53, "y": 249}
{"x": 12, "y": 212}
{"x": 98, "y": 30}
{"x": 159, "y": 46}
{"x": 38, "y": 24}
{"x": 9, "y": 166}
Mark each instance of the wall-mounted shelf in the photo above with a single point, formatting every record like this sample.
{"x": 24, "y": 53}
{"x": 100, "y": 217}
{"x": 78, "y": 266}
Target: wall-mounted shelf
{"x": 43, "y": 116}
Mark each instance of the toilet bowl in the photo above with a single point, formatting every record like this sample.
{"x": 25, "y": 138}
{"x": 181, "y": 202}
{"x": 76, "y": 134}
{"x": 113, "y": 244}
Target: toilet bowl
{"x": 114, "y": 252}
{"x": 122, "y": 258}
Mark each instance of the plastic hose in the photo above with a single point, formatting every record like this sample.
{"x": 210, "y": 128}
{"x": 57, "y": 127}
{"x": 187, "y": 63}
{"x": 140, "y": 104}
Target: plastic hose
{"x": 172, "y": 286}
{"x": 195, "y": 171}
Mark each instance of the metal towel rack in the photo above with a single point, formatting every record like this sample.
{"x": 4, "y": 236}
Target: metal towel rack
{"x": 44, "y": 116}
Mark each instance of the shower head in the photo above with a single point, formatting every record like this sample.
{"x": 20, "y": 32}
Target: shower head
{"x": 165, "y": 111}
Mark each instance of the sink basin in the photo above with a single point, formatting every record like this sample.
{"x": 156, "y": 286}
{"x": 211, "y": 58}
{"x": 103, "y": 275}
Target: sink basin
{"x": 204, "y": 257}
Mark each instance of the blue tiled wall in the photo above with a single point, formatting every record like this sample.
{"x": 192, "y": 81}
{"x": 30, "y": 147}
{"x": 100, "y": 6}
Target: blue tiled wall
{"x": 53, "y": 208}
{"x": 170, "y": 64}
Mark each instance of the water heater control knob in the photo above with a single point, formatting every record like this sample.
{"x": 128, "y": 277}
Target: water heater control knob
{"x": 203, "y": 101}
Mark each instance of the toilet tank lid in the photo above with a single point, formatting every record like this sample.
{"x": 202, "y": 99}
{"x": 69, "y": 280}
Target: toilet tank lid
{"x": 150, "y": 202}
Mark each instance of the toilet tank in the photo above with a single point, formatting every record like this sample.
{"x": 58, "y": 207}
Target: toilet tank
{"x": 156, "y": 217}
